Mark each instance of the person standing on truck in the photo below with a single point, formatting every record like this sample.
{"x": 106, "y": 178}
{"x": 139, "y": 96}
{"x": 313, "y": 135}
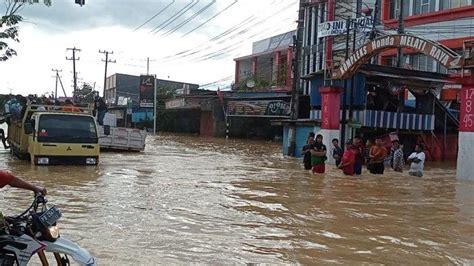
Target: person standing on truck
{"x": 70, "y": 107}
{"x": 101, "y": 108}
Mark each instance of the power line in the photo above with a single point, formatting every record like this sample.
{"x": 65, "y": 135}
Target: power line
{"x": 107, "y": 60}
{"x": 179, "y": 26}
{"x": 73, "y": 59}
{"x": 246, "y": 29}
{"x": 211, "y": 18}
{"x": 174, "y": 17}
{"x": 157, "y": 14}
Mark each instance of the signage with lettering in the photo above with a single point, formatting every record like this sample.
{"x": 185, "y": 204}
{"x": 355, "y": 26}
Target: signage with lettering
{"x": 440, "y": 53}
{"x": 175, "y": 103}
{"x": 259, "y": 108}
{"x": 147, "y": 91}
{"x": 466, "y": 121}
{"x": 330, "y": 106}
{"x": 332, "y": 28}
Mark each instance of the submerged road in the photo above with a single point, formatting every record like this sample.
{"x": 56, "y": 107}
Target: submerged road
{"x": 189, "y": 199}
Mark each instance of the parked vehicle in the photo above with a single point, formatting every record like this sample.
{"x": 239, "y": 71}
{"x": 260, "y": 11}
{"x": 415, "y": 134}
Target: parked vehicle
{"x": 36, "y": 231}
{"x": 55, "y": 136}
{"x": 120, "y": 138}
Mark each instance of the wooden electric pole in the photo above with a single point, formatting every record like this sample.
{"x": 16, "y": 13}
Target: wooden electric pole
{"x": 107, "y": 60}
{"x": 73, "y": 59}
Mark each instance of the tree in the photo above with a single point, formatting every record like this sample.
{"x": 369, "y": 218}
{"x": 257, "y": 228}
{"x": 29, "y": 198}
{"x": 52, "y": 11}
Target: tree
{"x": 85, "y": 94}
{"x": 8, "y": 25}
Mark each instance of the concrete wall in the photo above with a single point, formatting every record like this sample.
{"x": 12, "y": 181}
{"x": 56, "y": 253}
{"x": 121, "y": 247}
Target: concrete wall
{"x": 465, "y": 160}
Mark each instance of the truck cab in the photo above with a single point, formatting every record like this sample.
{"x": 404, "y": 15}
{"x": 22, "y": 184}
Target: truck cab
{"x": 53, "y": 137}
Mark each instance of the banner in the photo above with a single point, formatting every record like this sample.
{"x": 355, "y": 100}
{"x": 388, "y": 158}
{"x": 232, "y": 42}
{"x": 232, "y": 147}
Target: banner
{"x": 147, "y": 91}
{"x": 259, "y": 108}
{"x": 466, "y": 121}
{"x": 333, "y": 28}
{"x": 330, "y": 106}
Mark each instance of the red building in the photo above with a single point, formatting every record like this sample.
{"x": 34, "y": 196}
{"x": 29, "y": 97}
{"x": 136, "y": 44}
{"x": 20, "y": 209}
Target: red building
{"x": 449, "y": 22}
{"x": 269, "y": 66}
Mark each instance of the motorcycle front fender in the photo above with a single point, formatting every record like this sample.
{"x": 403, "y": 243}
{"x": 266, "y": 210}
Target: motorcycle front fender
{"x": 65, "y": 246}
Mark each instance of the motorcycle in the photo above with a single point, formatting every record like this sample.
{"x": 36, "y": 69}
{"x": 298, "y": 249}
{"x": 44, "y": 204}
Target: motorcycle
{"x": 36, "y": 231}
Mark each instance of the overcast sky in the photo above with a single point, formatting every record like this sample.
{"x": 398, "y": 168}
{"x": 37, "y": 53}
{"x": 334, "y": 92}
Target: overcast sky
{"x": 47, "y": 32}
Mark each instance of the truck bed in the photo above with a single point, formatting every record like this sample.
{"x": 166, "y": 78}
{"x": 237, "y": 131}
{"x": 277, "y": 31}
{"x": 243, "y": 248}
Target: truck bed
{"x": 120, "y": 138}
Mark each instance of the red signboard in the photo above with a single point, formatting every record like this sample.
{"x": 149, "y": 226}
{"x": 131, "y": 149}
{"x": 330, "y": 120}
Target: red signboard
{"x": 330, "y": 107}
{"x": 467, "y": 109}
{"x": 147, "y": 91}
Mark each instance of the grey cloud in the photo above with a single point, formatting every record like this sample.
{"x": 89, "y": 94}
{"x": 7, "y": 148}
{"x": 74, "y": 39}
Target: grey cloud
{"x": 65, "y": 15}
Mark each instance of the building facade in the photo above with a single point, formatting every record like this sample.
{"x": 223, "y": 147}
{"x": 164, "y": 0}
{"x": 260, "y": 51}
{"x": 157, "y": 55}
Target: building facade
{"x": 268, "y": 68}
{"x": 416, "y": 97}
{"x": 124, "y": 86}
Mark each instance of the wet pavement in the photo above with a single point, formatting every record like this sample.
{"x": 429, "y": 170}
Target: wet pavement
{"x": 190, "y": 199}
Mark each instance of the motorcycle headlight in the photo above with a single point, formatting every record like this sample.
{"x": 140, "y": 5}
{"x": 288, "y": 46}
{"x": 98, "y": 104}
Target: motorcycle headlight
{"x": 54, "y": 232}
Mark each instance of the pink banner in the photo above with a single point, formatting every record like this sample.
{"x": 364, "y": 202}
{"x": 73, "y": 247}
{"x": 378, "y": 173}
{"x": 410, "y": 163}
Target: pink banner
{"x": 466, "y": 121}
{"x": 330, "y": 107}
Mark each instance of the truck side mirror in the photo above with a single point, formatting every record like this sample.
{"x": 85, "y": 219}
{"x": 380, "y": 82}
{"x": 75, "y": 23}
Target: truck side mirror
{"x": 106, "y": 130}
{"x": 28, "y": 128}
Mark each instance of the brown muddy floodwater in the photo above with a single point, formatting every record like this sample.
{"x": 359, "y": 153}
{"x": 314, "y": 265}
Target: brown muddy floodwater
{"x": 189, "y": 199}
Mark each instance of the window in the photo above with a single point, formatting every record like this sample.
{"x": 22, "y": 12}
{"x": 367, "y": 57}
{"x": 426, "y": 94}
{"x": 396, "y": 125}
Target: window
{"x": 395, "y": 8}
{"x": 449, "y": 4}
{"x": 67, "y": 129}
{"x": 422, "y": 62}
{"x": 423, "y": 6}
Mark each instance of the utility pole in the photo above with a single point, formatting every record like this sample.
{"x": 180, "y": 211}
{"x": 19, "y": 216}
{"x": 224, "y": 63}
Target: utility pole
{"x": 56, "y": 87}
{"x": 401, "y": 30}
{"x": 73, "y": 59}
{"x": 107, "y": 60}
{"x": 297, "y": 46}
{"x": 148, "y": 66}
{"x": 344, "y": 94}
{"x": 351, "y": 92}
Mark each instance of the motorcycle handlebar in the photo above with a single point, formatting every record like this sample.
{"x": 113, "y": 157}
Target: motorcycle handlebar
{"x": 38, "y": 198}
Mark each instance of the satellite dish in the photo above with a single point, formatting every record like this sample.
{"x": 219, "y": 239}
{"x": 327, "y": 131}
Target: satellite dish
{"x": 250, "y": 83}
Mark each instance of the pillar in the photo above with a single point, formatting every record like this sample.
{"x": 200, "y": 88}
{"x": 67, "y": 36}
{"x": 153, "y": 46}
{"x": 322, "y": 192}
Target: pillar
{"x": 237, "y": 72}
{"x": 276, "y": 67}
{"x": 466, "y": 134}
{"x": 254, "y": 66}
{"x": 289, "y": 68}
{"x": 330, "y": 116}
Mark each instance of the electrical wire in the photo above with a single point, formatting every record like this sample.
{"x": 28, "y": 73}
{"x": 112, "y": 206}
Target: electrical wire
{"x": 173, "y": 18}
{"x": 154, "y": 16}
{"x": 211, "y": 18}
{"x": 179, "y": 26}
{"x": 246, "y": 29}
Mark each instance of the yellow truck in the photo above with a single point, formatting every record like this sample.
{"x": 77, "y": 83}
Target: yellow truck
{"x": 47, "y": 135}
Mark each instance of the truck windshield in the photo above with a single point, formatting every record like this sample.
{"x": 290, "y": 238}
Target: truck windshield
{"x": 67, "y": 129}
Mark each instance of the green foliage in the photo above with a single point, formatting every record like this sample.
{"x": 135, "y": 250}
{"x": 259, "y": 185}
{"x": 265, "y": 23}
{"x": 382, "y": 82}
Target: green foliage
{"x": 85, "y": 94}
{"x": 8, "y": 25}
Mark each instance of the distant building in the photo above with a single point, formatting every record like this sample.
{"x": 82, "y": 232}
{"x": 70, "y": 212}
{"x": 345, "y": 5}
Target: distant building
{"x": 120, "y": 87}
{"x": 122, "y": 96}
{"x": 268, "y": 68}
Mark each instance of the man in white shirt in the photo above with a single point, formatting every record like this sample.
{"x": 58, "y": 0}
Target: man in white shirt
{"x": 417, "y": 161}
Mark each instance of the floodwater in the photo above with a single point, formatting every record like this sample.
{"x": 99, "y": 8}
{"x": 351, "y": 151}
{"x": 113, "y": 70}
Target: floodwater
{"x": 189, "y": 199}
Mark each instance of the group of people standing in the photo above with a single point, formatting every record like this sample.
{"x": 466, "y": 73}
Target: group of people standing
{"x": 357, "y": 154}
